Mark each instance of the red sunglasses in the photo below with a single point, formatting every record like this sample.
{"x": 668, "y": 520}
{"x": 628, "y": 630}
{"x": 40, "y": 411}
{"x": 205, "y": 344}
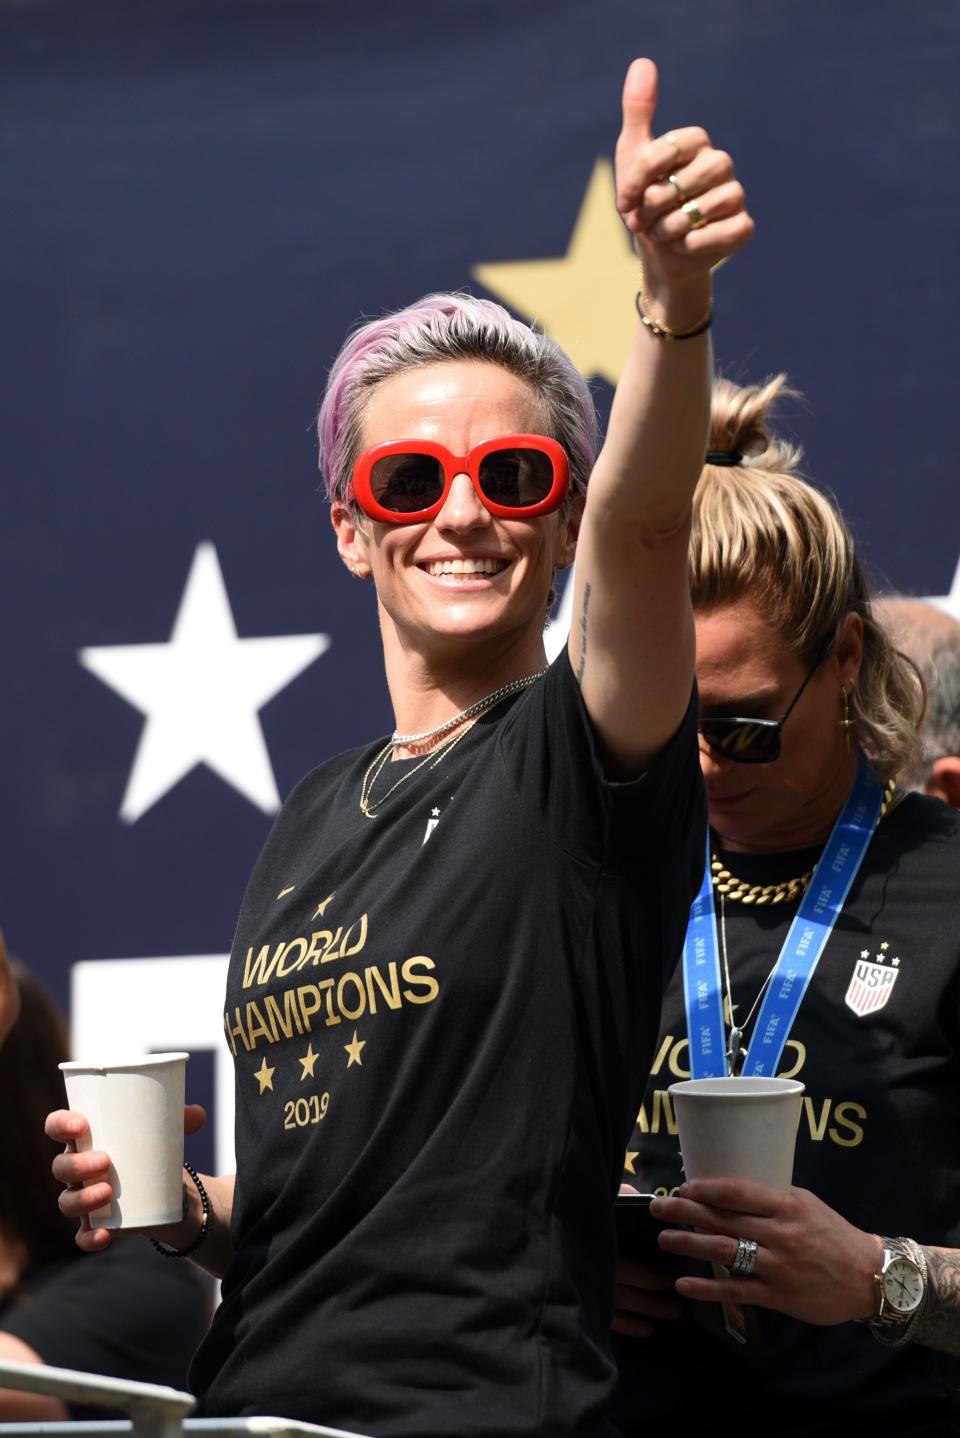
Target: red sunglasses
{"x": 407, "y": 481}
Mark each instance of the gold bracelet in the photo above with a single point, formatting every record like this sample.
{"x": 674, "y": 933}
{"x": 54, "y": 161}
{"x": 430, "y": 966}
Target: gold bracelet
{"x": 661, "y": 331}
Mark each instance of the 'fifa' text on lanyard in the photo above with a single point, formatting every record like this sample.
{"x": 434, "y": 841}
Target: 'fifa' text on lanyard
{"x": 799, "y": 956}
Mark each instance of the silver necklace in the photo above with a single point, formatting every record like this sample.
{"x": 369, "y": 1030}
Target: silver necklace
{"x": 503, "y": 692}
{"x": 736, "y": 1053}
{"x": 370, "y": 807}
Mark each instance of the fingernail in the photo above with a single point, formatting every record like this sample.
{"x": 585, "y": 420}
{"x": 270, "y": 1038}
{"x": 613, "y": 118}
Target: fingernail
{"x": 684, "y": 1286}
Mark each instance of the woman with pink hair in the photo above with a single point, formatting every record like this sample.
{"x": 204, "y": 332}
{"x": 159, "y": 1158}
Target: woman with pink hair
{"x": 448, "y": 965}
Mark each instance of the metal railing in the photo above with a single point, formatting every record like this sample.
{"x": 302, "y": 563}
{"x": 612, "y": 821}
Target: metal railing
{"x": 153, "y": 1411}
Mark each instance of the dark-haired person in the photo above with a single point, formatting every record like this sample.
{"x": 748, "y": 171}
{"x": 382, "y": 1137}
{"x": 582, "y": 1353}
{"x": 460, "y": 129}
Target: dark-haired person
{"x": 9, "y": 993}
{"x": 454, "y": 941}
{"x": 830, "y": 930}
{"x": 133, "y": 1316}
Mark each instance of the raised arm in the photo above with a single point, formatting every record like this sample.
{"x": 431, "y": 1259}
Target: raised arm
{"x": 631, "y": 636}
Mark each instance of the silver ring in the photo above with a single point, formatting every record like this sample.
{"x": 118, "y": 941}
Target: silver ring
{"x": 745, "y": 1258}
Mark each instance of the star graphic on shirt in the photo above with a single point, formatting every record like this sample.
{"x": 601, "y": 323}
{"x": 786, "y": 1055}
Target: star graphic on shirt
{"x": 353, "y": 1049}
{"x": 435, "y": 813}
{"x": 318, "y": 912}
{"x": 307, "y": 1062}
{"x": 884, "y": 946}
{"x": 201, "y": 692}
{"x": 630, "y": 1163}
{"x": 264, "y": 1076}
{"x": 864, "y": 953}
{"x": 583, "y": 299}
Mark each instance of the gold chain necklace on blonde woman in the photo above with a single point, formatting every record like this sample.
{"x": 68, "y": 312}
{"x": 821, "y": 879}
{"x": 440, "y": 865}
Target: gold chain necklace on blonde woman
{"x": 730, "y": 887}
{"x": 369, "y": 807}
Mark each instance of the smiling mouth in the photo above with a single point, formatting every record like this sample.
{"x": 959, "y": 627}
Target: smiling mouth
{"x": 470, "y": 567}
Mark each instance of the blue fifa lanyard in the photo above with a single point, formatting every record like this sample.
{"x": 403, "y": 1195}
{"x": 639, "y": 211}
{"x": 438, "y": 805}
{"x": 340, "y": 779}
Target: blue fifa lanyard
{"x": 802, "y": 948}
{"x": 702, "y": 988}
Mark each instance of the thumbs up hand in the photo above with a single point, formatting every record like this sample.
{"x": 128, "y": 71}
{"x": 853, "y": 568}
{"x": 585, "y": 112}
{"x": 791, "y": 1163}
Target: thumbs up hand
{"x": 679, "y": 197}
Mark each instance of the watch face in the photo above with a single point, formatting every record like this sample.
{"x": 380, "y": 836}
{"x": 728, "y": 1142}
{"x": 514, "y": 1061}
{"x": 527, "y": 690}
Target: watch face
{"x": 902, "y": 1285}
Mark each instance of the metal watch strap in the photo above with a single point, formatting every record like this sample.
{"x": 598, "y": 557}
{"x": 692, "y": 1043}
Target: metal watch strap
{"x": 889, "y": 1328}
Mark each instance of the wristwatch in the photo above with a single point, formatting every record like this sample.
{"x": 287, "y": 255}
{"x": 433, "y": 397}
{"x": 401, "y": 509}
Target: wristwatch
{"x": 901, "y": 1287}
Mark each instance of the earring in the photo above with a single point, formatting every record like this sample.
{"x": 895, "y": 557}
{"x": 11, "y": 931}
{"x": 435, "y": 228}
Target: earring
{"x": 846, "y": 723}
{"x": 357, "y": 573}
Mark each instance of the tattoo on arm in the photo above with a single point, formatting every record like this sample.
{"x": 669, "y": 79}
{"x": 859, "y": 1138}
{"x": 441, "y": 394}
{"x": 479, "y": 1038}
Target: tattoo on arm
{"x": 938, "y": 1326}
{"x": 583, "y": 633}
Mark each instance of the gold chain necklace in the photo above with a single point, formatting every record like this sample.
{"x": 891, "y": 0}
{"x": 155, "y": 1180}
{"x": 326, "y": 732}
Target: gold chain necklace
{"x": 730, "y": 887}
{"x": 368, "y": 808}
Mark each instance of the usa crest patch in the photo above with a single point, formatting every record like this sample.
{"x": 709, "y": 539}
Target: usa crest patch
{"x": 872, "y": 982}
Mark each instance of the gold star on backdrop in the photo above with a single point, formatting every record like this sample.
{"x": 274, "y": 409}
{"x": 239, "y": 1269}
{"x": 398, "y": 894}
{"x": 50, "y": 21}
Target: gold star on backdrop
{"x": 264, "y": 1076}
{"x": 630, "y": 1165}
{"x": 353, "y": 1049}
{"x": 584, "y": 301}
{"x": 308, "y": 1061}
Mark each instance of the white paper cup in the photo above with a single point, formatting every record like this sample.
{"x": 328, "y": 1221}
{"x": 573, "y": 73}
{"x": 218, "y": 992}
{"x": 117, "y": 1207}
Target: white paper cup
{"x": 135, "y": 1113}
{"x": 738, "y": 1127}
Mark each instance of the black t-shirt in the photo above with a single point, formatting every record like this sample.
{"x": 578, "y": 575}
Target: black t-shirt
{"x": 877, "y": 1044}
{"x": 126, "y": 1313}
{"x": 436, "y": 1016}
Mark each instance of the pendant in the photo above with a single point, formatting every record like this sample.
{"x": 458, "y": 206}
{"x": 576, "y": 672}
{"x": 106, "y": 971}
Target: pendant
{"x": 735, "y": 1052}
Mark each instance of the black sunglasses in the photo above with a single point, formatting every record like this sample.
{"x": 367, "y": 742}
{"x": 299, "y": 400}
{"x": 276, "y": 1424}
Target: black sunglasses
{"x": 754, "y": 741}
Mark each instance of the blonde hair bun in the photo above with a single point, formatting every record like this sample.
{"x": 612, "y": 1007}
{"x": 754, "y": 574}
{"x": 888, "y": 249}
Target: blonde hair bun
{"x": 762, "y": 532}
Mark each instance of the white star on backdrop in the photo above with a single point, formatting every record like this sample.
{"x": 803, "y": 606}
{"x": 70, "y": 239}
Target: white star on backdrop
{"x": 201, "y": 693}
{"x": 949, "y": 603}
{"x": 555, "y": 634}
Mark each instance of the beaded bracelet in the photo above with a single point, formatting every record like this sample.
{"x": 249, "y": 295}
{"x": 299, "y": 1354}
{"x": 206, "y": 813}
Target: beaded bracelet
{"x": 204, "y": 1226}
{"x": 664, "y": 332}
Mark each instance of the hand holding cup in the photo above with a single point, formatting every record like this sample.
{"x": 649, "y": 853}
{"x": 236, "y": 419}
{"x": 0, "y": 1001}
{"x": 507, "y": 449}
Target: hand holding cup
{"x": 90, "y": 1174}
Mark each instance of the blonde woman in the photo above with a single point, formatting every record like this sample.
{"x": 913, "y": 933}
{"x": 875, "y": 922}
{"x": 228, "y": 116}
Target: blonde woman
{"x": 807, "y": 715}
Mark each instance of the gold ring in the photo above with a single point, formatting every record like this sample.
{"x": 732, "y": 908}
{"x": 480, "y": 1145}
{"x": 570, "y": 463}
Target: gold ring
{"x": 671, "y": 139}
{"x": 694, "y": 214}
{"x": 681, "y": 197}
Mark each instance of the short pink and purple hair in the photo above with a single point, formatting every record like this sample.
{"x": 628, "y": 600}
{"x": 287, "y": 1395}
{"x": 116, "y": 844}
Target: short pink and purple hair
{"x": 445, "y": 327}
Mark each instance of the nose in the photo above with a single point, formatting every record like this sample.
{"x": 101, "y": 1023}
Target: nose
{"x": 463, "y": 509}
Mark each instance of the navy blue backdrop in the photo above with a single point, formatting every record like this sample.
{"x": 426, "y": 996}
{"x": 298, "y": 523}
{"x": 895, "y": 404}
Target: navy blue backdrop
{"x": 201, "y": 196}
